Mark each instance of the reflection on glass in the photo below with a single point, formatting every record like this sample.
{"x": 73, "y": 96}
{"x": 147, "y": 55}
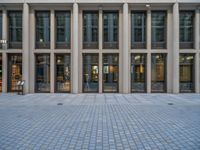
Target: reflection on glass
{"x": 90, "y": 72}
{"x": 187, "y": 73}
{"x": 0, "y": 72}
{"x": 138, "y": 73}
{"x": 186, "y": 29}
{"x": 62, "y": 29}
{"x": 14, "y": 71}
{"x": 42, "y": 73}
{"x": 110, "y": 72}
{"x": 90, "y": 29}
{"x": 110, "y": 29}
{"x": 138, "y": 29}
{"x": 158, "y": 73}
{"x": 63, "y": 73}
{"x": 43, "y": 29}
{"x": 158, "y": 29}
{"x": 15, "y": 29}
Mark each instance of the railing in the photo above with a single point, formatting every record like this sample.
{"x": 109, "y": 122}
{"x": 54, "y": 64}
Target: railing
{"x": 15, "y": 45}
{"x": 62, "y": 45}
{"x": 90, "y": 45}
{"x": 110, "y": 45}
{"x": 186, "y": 45}
{"x": 42, "y": 45}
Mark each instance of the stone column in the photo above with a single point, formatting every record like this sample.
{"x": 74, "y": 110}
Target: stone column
{"x": 4, "y": 55}
{"x": 175, "y": 48}
{"x": 197, "y": 40}
{"x": 52, "y": 45}
{"x": 52, "y": 72}
{"x": 26, "y": 48}
{"x": 4, "y": 73}
{"x": 75, "y": 50}
{"x": 100, "y": 48}
{"x": 148, "y": 50}
{"x": 125, "y": 51}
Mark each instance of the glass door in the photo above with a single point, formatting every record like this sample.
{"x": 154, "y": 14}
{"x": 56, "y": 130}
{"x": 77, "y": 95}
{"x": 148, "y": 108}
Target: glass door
{"x": 110, "y": 72}
{"x": 14, "y": 71}
{"x": 63, "y": 73}
{"x": 138, "y": 73}
{"x": 42, "y": 74}
{"x": 90, "y": 73}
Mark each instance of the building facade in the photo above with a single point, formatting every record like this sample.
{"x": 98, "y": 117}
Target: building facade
{"x": 107, "y": 46}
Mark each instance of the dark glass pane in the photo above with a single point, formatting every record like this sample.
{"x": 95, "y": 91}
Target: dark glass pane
{"x": 0, "y": 72}
{"x": 42, "y": 29}
{"x": 110, "y": 28}
{"x": 110, "y": 72}
{"x": 0, "y": 28}
{"x": 90, "y": 72}
{"x": 138, "y": 29}
{"x": 14, "y": 71}
{"x": 63, "y": 26}
{"x": 138, "y": 72}
{"x": 186, "y": 29}
{"x": 42, "y": 64}
{"x": 158, "y": 29}
{"x": 90, "y": 29}
{"x": 158, "y": 73}
{"x": 15, "y": 29}
{"x": 187, "y": 73}
{"x": 63, "y": 73}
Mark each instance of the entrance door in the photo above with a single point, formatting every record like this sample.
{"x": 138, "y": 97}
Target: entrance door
{"x": 110, "y": 72}
{"x": 90, "y": 73}
{"x": 14, "y": 71}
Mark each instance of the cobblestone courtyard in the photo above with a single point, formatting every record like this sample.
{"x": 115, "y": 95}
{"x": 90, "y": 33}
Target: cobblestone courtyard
{"x": 100, "y": 121}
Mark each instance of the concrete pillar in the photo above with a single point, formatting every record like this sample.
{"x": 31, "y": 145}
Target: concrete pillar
{"x": 125, "y": 51}
{"x": 52, "y": 72}
{"x": 100, "y": 48}
{"x": 175, "y": 48}
{"x": 4, "y": 73}
{"x": 75, "y": 50}
{"x": 4, "y": 47}
{"x": 52, "y": 29}
{"x": 26, "y": 48}
{"x": 148, "y": 50}
{"x": 197, "y": 40}
{"x": 4, "y": 28}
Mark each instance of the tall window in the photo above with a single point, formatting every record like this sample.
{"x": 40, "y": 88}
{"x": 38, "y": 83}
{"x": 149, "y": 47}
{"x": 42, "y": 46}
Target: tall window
{"x": 187, "y": 74}
{"x": 158, "y": 29}
{"x": 0, "y": 28}
{"x": 90, "y": 29}
{"x": 138, "y": 30}
{"x": 186, "y": 29}
{"x": 110, "y": 28}
{"x": 158, "y": 73}
{"x": 0, "y": 72}
{"x": 15, "y": 29}
{"x": 63, "y": 29}
{"x": 42, "y": 73}
{"x": 43, "y": 29}
{"x": 138, "y": 72}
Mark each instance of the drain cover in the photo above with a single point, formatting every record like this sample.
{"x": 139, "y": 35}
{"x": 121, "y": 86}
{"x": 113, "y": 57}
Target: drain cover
{"x": 60, "y": 104}
{"x": 170, "y": 104}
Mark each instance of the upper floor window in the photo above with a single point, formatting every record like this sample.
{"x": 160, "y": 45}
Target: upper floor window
{"x": 42, "y": 29}
{"x": 138, "y": 30}
{"x": 158, "y": 29}
{"x": 110, "y": 29}
{"x": 186, "y": 29}
{"x": 90, "y": 29}
{"x": 0, "y": 28}
{"x": 15, "y": 29}
{"x": 63, "y": 29}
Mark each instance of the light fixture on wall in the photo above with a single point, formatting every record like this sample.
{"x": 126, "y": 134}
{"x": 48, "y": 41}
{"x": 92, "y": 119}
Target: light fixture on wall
{"x": 4, "y": 43}
{"x": 148, "y": 5}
